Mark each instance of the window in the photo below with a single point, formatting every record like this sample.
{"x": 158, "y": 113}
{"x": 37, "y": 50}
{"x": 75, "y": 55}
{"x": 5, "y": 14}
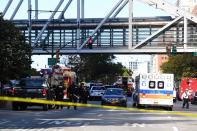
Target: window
{"x": 151, "y": 84}
{"x": 160, "y": 85}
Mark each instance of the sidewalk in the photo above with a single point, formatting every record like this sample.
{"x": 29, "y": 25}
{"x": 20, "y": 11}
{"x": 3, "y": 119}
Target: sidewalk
{"x": 178, "y": 107}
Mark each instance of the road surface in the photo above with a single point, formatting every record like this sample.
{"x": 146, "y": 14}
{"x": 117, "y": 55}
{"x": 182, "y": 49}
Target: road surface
{"x": 96, "y": 119}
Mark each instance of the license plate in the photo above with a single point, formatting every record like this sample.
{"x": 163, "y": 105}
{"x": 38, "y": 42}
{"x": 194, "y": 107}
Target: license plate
{"x": 114, "y": 102}
{"x": 156, "y": 102}
{"x": 31, "y": 90}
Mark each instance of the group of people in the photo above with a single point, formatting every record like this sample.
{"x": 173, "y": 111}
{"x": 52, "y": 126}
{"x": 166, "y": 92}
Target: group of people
{"x": 74, "y": 93}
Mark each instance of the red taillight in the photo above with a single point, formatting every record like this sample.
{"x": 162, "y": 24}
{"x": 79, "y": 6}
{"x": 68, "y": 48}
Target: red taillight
{"x": 13, "y": 91}
{"x": 44, "y": 92}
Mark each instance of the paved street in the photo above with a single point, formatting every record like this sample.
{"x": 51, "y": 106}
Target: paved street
{"x": 96, "y": 119}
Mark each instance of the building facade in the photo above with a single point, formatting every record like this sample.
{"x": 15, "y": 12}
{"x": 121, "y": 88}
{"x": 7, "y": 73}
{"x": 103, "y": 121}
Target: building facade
{"x": 188, "y": 5}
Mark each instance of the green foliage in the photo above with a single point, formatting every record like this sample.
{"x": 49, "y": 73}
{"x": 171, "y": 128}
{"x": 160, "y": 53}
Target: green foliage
{"x": 14, "y": 52}
{"x": 126, "y": 72}
{"x": 96, "y": 67}
{"x": 182, "y": 65}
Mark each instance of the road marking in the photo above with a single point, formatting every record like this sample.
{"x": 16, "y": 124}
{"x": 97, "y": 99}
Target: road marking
{"x": 3, "y": 122}
{"x": 99, "y": 115}
{"x": 110, "y": 108}
{"x": 86, "y": 124}
{"x": 138, "y": 125}
{"x": 44, "y": 122}
{"x": 126, "y": 124}
{"x": 175, "y": 128}
{"x": 56, "y": 122}
{"x": 89, "y": 113}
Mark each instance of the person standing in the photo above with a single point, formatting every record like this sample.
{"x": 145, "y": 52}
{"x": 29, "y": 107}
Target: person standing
{"x": 72, "y": 94}
{"x": 83, "y": 93}
{"x": 185, "y": 97}
{"x": 59, "y": 93}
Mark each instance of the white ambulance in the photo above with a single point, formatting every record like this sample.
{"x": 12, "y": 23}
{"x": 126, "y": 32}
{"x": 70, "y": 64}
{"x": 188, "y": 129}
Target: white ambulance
{"x": 154, "y": 90}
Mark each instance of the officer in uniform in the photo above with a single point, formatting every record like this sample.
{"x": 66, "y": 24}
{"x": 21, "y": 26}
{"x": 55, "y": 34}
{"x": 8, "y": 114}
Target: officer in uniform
{"x": 72, "y": 94}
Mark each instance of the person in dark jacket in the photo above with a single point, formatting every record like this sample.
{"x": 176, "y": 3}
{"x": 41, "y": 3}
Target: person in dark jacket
{"x": 72, "y": 94}
{"x": 83, "y": 94}
{"x": 59, "y": 93}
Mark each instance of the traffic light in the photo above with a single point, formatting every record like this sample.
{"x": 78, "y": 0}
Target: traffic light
{"x": 174, "y": 50}
{"x": 90, "y": 42}
{"x": 168, "y": 50}
{"x": 57, "y": 56}
{"x": 171, "y": 49}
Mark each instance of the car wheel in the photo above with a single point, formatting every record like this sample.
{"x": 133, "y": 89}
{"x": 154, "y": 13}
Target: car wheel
{"x": 23, "y": 107}
{"x": 45, "y": 107}
{"x": 90, "y": 98}
{"x": 15, "y": 106}
{"x": 125, "y": 105}
{"x": 192, "y": 101}
{"x": 170, "y": 108}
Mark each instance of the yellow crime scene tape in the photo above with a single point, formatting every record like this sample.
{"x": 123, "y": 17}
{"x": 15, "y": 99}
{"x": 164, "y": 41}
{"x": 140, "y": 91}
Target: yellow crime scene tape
{"x": 40, "y": 101}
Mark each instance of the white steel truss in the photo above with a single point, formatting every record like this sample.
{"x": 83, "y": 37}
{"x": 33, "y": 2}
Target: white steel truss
{"x": 158, "y": 4}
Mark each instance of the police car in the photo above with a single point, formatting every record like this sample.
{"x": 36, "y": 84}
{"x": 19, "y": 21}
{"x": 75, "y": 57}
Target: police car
{"x": 96, "y": 92}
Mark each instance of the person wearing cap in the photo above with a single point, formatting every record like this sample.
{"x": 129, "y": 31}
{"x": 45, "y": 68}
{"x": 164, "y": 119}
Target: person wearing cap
{"x": 185, "y": 97}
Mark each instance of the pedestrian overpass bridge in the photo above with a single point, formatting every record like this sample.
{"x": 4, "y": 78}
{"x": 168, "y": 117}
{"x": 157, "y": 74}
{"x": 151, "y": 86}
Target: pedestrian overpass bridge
{"x": 112, "y": 37}
{"x": 143, "y": 35}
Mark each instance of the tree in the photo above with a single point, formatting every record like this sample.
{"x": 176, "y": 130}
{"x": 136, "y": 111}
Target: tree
{"x": 15, "y": 53}
{"x": 182, "y": 65}
{"x": 96, "y": 67}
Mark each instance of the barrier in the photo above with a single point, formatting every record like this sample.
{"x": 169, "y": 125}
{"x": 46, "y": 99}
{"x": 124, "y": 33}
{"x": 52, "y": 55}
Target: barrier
{"x": 40, "y": 101}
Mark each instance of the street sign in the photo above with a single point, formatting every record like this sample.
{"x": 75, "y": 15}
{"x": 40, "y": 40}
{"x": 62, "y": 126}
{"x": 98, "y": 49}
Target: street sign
{"x": 194, "y": 53}
{"x": 51, "y": 61}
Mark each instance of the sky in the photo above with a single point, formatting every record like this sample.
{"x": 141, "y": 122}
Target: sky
{"x": 93, "y": 9}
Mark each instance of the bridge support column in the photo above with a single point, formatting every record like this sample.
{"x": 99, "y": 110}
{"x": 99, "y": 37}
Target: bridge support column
{"x": 185, "y": 33}
{"x": 82, "y": 9}
{"x": 130, "y": 44}
{"x": 36, "y": 9}
{"x": 78, "y": 24}
{"x": 29, "y": 18}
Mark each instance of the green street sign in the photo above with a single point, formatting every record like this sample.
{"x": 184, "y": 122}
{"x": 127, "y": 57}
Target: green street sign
{"x": 51, "y": 61}
{"x": 194, "y": 53}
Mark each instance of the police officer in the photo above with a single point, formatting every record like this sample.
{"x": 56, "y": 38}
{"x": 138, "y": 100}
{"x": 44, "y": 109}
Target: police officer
{"x": 83, "y": 93}
{"x": 185, "y": 97}
{"x": 59, "y": 93}
{"x": 72, "y": 94}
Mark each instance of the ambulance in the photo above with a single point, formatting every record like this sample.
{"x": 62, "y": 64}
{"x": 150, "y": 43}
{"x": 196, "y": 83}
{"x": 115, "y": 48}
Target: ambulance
{"x": 154, "y": 90}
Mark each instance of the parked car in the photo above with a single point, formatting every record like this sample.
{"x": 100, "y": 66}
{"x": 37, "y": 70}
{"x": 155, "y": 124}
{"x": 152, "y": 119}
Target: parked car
{"x": 114, "y": 96}
{"x": 36, "y": 88}
{"x": 111, "y": 86}
{"x": 194, "y": 98}
{"x": 8, "y": 89}
{"x": 96, "y": 92}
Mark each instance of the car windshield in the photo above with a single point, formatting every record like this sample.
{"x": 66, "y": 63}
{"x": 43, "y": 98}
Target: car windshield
{"x": 114, "y": 92}
{"x": 33, "y": 83}
{"x": 98, "y": 88}
{"x": 110, "y": 86}
{"x": 15, "y": 83}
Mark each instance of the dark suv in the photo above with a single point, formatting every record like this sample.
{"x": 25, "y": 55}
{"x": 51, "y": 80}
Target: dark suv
{"x": 36, "y": 88}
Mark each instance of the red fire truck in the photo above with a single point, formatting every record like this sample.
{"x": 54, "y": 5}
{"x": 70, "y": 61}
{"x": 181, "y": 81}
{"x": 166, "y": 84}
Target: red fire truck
{"x": 187, "y": 83}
